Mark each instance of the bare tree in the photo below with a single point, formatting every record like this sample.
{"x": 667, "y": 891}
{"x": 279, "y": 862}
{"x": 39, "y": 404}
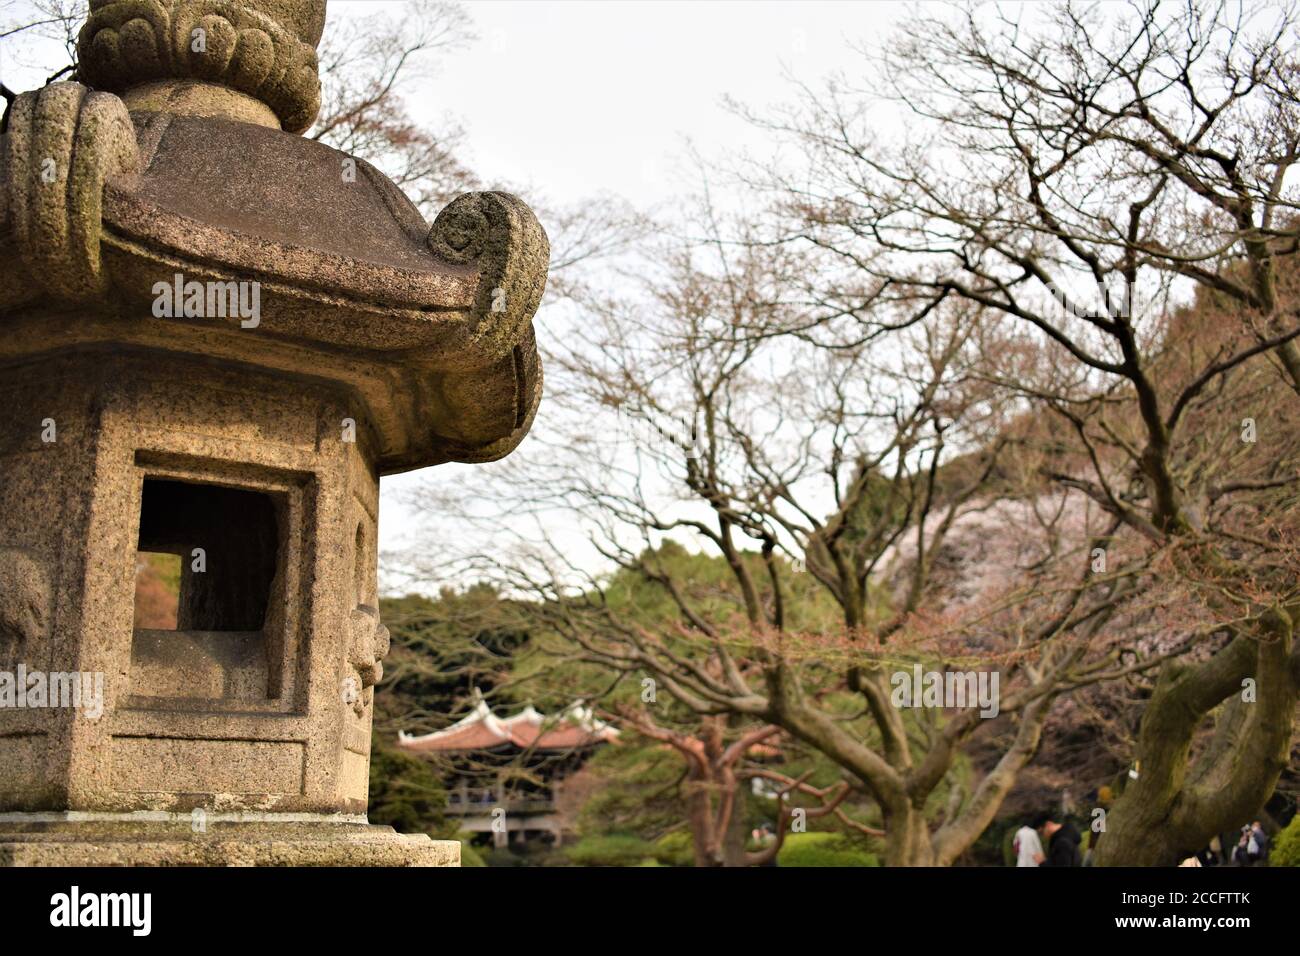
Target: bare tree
{"x": 1076, "y": 176}
{"x": 715, "y": 770}
{"x": 55, "y": 22}
{"x": 804, "y": 464}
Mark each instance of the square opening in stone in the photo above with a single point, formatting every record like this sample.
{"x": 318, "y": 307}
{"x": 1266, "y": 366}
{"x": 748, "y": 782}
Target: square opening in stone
{"x": 224, "y": 544}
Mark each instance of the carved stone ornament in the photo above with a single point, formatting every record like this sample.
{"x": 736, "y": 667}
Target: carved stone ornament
{"x": 125, "y": 43}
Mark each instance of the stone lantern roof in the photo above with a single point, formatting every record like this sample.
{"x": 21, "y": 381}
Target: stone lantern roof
{"x": 178, "y": 162}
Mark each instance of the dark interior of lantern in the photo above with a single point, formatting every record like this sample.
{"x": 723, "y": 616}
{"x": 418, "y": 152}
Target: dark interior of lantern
{"x": 228, "y": 544}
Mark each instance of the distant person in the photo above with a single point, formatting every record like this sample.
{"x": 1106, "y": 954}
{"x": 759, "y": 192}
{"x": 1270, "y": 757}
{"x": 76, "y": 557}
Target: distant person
{"x": 1212, "y": 855}
{"x": 1062, "y": 842}
{"x": 1241, "y": 854}
{"x": 1257, "y": 844}
{"x": 1091, "y": 846}
{"x": 1027, "y": 847}
{"x": 764, "y": 836}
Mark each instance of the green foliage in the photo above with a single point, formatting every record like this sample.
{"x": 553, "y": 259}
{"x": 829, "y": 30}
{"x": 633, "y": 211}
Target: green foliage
{"x": 675, "y": 849}
{"x": 168, "y": 569}
{"x": 1007, "y": 843}
{"x": 405, "y": 792}
{"x": 615, "y": 849}
{"x": 444, "y": 646}
{"x": 637, "y": 791}
{"x": 441, "y": 647}
{"x": 634, "y": 790}
{"x": 469, "y": 855}
{"x": 712, "y": 590}
{"x": 1286, "y": 845}
{"x": 995, "y": 846}
{"x": 823, "y": 849}
{"x": 502, "y": 856}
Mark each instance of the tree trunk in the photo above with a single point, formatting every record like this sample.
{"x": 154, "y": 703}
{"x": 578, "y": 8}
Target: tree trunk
{"x": 716, "y": 842}
{"x": 736, "y": 834}
{"x": 699, "y": 812}
{"x": 907, "y": 838}
{"x": 1174, "y": 806}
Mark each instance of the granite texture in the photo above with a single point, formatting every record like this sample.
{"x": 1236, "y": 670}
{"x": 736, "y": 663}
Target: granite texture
{"x": 264, "y": 48}
{"x": 101, "y": 843}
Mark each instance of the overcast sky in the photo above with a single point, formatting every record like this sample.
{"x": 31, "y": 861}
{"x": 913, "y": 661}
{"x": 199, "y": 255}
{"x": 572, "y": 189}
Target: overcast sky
{"x": 576, "y": 98}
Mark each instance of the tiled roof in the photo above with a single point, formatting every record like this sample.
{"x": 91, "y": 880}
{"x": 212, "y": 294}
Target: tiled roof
{"x": 527, "y": 730}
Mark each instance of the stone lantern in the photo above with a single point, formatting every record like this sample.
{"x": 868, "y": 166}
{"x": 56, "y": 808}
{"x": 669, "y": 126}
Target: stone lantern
{"x": 217, "y": 336}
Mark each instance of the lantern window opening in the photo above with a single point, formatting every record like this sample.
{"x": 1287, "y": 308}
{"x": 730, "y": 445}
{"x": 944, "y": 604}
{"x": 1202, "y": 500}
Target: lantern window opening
{"x": 227, "y": 545}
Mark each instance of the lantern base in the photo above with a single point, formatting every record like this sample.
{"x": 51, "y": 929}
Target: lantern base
{"x": 70, "y": 839}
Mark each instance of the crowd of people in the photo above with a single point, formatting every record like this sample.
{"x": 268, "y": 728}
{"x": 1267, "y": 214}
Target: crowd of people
{"x": 1251, "y": 849}
{"x": 1064, "y": 845}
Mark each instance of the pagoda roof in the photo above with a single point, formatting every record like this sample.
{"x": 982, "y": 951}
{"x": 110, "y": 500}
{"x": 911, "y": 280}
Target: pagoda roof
{"x": 527, "y": 730}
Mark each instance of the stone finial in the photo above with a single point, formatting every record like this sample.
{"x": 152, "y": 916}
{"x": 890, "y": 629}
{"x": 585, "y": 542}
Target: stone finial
{"x": 253, "y": 60}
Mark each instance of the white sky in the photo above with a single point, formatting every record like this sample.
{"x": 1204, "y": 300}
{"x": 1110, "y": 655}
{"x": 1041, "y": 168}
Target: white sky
{"x": 578, "y": 98}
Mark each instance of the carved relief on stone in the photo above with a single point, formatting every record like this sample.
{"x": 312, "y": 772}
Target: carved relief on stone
{"x": 368, "y": 643}
{"x": 129, "y": 42}
{"x": 25, "y": 602}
